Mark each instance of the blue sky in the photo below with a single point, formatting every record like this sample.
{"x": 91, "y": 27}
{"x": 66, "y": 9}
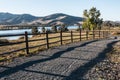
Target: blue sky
{"x": 109, "y": 8}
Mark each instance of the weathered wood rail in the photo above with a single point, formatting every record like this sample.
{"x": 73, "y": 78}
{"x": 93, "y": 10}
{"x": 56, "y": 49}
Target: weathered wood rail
{"x": 81, "y": 35}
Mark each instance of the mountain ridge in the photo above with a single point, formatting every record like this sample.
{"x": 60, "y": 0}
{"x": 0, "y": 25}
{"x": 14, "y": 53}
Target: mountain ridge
{"x": 9, "y": 18}
{"x": 52, "y": 19}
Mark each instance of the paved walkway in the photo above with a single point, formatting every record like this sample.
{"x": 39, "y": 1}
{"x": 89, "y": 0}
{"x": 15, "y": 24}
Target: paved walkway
{"x": 67, "y": 62}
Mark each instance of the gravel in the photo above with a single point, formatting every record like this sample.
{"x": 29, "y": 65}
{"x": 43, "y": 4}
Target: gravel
{"x": 66, "y": 62}
{"x": 104, "y": 70}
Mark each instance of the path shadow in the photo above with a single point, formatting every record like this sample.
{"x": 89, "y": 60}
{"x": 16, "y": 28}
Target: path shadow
{"x": 15, "y": 69}
{"x": 79, "y": 73}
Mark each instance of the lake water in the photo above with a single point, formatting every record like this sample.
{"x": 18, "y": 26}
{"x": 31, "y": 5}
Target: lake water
{"x": 4, "y": 32}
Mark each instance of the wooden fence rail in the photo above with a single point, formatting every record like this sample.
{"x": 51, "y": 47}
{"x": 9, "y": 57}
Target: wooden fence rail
{"x": 79, "y": 34}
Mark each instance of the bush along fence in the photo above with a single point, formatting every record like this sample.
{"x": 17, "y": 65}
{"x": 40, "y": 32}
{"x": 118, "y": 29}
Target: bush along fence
{"x": 61, "y": 37}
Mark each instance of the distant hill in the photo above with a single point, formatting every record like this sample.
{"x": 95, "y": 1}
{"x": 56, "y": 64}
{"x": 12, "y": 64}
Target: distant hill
{"x": 58, "y": 18}
{"x": 111, "y": 23}
{"x": 8, "y": 18}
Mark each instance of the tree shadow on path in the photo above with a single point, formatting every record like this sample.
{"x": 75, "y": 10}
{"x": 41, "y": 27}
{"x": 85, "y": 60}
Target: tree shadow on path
{"x": 79, "y": 73}
{"x": 15, "y": 69}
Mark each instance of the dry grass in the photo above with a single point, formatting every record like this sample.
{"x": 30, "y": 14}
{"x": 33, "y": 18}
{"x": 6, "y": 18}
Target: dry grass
{"x": 4, "y": 49}
{"x": 114, "y": 56}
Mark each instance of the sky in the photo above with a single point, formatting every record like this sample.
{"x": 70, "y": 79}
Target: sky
{"x": 109, "y": 8}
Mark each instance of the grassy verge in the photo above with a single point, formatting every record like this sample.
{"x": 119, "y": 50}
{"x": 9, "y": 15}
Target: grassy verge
{"x": 36, "y": 50}
{"x": 114, "y": 56}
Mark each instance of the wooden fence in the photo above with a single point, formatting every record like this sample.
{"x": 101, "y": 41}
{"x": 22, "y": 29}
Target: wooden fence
{"x": 73, "y": 35}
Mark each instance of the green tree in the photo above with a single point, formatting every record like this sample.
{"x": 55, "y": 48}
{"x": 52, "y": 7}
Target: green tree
{"x": 92, "y": 19}
{"x": 63, "y": 28}
{"x": 43, "y": 30}
{"x": 54, "y": 28}
{"x": 99, "y": 25}
{"x": 79, "y": 27}
{"x": 34, "y": 30}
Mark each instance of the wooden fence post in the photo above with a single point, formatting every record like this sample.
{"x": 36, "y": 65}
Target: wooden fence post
{"x": 93, "y": 34}
{"x": 80, "y": 34}
{"x": 47, "y": 41}
{"x": 26, "y": 42}
{"x": 107, "y": 34}
{"x": 99, "y": 34}
{"x": 86, "y": 35}
{"x": 61, "y": 37}
{"x": 71, "y": 36}
{"x": 103, "y": 34}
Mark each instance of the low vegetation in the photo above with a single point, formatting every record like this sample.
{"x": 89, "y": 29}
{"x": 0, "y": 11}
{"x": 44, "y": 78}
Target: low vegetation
{"x": 35, "y": 30}
{"x": 114, "y": 56}
{"x": 76, "y": 37}
{"x": 3, "y": 41}
{"x": 4, "y": 49}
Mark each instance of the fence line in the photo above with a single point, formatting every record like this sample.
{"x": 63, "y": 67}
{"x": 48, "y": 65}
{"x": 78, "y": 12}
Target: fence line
{"x": 87, "y": 35}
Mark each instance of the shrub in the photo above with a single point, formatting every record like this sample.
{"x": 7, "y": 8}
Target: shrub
{"x": 34, "y": 30}
{"x": 63, "y": 28}
{"x": 54, "y": 28}
{"x": 48, "y": 31}
{"x": 22, "y": 37}
{"x": 43, "y": 30}
{"x": 3, "y": 41}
